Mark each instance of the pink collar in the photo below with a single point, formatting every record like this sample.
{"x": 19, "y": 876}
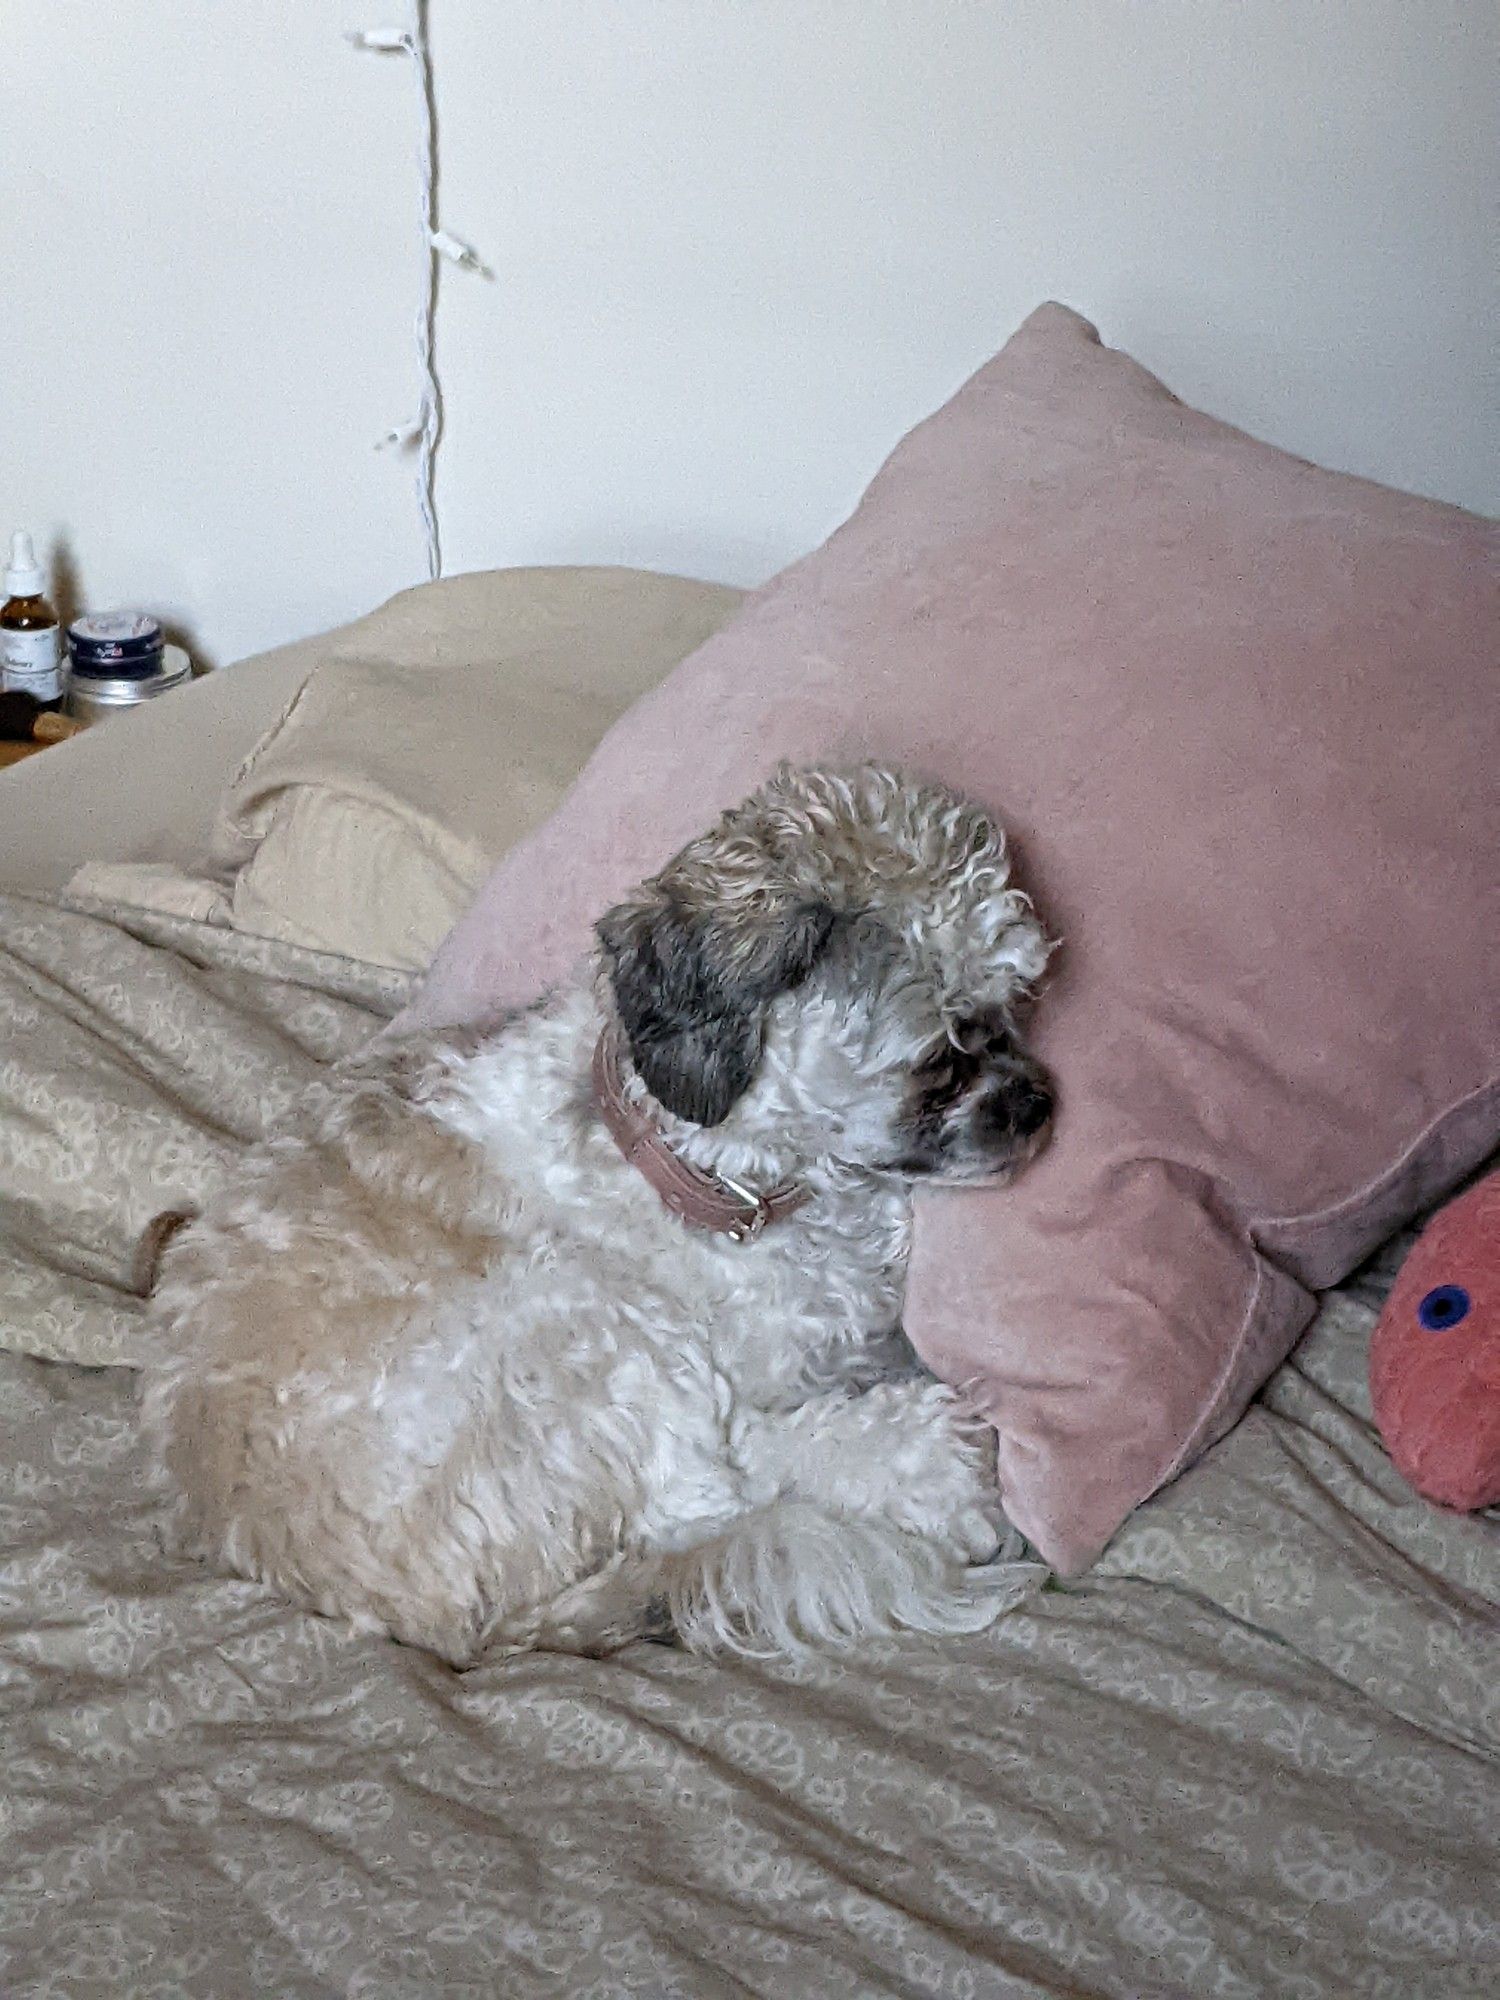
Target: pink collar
{"x": 702, "y": 1200}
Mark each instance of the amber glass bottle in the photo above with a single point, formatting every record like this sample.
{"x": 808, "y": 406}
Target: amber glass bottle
{"x": 30, "y": 649}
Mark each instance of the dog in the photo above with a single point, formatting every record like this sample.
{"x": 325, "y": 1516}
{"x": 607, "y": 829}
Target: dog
{"x": 586, "y": 1326}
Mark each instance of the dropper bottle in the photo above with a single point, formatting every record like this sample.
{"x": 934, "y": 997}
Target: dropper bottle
{"x": 30, "y": 653}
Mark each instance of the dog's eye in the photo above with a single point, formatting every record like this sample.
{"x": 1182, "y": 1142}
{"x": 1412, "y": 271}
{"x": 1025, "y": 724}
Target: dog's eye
{"x": 985, "y": 1035}
{"x": 943, "y": 1071}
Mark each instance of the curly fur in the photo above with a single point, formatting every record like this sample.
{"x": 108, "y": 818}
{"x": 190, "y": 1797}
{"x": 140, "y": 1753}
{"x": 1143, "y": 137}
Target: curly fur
{"x": 448, "y": 1369}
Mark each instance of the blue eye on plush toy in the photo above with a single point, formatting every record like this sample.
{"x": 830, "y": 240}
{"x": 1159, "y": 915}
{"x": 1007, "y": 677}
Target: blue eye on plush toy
{"x": 1437, "y": 1401}
{"x": 1443, "y": 1307}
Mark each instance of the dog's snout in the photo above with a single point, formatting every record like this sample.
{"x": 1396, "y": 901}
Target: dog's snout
{"x": 1030, "y": 1107}
{"x": 1019, "y": 1107}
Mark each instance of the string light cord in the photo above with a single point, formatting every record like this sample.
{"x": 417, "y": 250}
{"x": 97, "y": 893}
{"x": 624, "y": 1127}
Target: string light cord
{"x": 423, "y": 432}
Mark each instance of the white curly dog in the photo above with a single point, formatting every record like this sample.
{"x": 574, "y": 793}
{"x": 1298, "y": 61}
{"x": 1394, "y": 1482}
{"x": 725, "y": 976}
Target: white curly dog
{"x": 587, "y": 1326}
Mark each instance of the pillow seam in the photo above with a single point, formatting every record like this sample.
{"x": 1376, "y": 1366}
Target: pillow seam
{"x": 1310, "y": 1218}
{"x": 1193, "y": 1446}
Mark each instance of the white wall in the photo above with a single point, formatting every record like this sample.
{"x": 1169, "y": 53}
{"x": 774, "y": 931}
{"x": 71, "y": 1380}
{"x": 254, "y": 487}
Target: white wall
{"x": 739, "y": 246}
{"x": 206, "y": 293}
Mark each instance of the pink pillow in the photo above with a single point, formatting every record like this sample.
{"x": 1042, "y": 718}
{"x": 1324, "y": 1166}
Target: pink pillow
{"x": 1239, "y": 715}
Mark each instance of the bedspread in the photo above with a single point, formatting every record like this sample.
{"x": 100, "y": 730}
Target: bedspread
{"x": 1255, "y": 1751}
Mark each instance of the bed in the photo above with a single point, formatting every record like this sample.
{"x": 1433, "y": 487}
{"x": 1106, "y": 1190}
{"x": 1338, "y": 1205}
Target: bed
{"x": 1254, "y": 1751}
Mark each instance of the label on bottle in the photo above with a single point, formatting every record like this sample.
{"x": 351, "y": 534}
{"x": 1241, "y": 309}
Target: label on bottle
{"x": 31, "y": 662}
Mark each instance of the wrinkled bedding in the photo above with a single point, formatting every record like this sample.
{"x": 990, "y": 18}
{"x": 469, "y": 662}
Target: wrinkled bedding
{"x": 1255, "y": 1751}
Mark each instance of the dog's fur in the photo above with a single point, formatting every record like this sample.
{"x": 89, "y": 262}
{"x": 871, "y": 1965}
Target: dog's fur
{"x": 448, "y": 1368}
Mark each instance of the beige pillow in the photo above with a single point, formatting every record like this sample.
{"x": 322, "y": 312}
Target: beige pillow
{"x": 429, "y": 738}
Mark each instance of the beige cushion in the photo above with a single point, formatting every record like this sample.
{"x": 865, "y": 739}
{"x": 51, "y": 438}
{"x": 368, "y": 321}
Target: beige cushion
{"x": 142, "y": 789}
{"x": 411, "y": 750}
{"x": 340, "y": 873}
{"x": 430, "y": 737}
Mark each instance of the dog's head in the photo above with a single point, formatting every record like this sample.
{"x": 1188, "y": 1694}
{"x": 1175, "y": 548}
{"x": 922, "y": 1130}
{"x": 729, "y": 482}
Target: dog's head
{"x": 841, "y": 966}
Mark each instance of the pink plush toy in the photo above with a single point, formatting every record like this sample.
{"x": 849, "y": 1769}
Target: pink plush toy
{"x": 1435, "y": 1357}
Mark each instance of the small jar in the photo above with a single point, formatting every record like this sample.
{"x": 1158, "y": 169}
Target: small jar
{"x": 92, "y": 696}
{"x": 115, "y": 645}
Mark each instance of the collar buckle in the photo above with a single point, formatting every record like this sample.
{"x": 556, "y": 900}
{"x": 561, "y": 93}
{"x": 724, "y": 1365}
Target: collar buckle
{"x": 750, "y": 1226}
{"x": 695, "y": 1196}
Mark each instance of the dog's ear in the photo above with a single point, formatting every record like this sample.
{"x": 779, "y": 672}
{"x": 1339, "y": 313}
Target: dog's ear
{"x": 691, "y": 989}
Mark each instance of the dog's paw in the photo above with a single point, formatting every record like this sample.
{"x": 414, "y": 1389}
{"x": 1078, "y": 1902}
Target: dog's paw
{"x": 974, "y": 1535}
{"x": 1002, "y": 1585}
{"x": 948, "y": 1494}
{"x": 967, "y": 1525}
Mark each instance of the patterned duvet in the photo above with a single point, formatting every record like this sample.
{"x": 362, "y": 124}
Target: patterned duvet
{"x": 1255, "y": 1752}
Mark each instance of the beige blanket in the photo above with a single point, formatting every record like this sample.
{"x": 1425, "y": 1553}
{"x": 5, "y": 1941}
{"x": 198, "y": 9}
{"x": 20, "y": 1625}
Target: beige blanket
{"x": 138, "y": 1053}
{"x": 1255, "y": 1752}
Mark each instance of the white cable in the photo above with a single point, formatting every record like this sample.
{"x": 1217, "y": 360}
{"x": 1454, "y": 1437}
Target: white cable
{"x": 425, "y": 429}
{"x": 430, "y": 408}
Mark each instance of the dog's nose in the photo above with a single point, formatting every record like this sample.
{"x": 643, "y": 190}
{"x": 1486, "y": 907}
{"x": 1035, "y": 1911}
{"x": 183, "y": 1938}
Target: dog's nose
{"x": 1014, "y": 1113}
{"x": 1029, "y": 1107}
{"x": 1022, "y": 1103}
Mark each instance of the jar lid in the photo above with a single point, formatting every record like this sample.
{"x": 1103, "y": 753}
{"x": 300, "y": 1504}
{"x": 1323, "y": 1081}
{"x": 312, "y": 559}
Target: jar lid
{"x": 106, "y": 638}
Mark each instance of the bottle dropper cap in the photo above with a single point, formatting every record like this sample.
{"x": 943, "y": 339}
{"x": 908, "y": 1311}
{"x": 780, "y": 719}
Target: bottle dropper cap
{"x": 23, "y": 578}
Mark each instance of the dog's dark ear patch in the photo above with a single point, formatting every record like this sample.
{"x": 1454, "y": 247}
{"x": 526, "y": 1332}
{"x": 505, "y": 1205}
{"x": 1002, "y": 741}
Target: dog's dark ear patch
{"x": 691, "y": 990}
